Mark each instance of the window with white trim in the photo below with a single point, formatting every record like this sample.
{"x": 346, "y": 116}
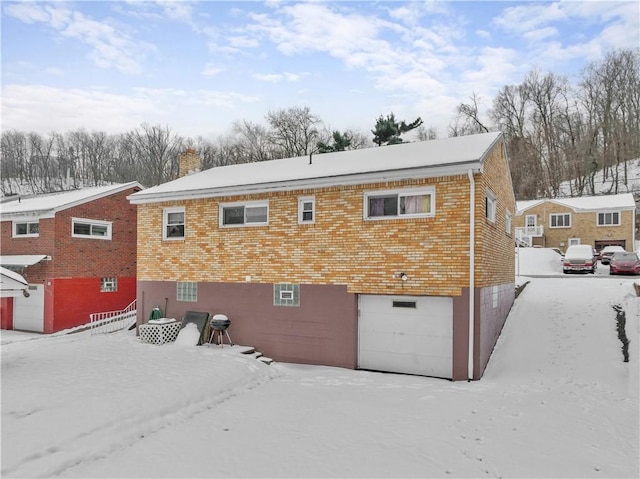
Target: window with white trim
{"x": 611, "y": 218}
{"x": 108, "y": 285}
{"x": 173, "y": 223}
{"x": 508, "y": 222}
{"x": 26, "y": 229}
{"x": 400, "y": 203}
{"x": 573, "y": 241}
{"x": 560, "y": 220}
{"x": 490, "y": 206}
{"x": 187, "y": 291}
{"x": 94, "y": 229}
{"x": 250, "y": 213}
{"x": 306, "y": 209}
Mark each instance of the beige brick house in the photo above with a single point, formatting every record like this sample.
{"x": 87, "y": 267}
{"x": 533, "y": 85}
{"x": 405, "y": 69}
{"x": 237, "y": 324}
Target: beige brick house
{"x": 358, "y": 259}
{"x": 595, "y": 220}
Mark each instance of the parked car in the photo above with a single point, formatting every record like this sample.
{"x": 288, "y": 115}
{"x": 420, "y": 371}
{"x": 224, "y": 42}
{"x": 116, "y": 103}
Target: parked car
{"x": 580, "y": 257}
{"x": 624, "y": 263}
{"x": 607, "y": 253}
{"x": 559, "y": 251}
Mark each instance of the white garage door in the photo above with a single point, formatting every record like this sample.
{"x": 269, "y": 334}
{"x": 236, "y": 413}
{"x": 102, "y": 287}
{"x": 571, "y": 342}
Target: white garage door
{"x": 28, "y": 313}
{"x": 406, "y": 334}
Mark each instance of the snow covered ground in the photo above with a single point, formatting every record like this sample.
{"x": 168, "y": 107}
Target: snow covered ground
{"x": 556, "y": 400}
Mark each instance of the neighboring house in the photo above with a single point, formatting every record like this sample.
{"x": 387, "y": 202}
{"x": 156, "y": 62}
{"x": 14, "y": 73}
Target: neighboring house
{"x": 76, "y": 249}
{"x": 357, "y": 259}
{"x": 598, "y": 221}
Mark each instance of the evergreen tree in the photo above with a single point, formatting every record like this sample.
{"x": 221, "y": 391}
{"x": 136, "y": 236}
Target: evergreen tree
{"x": 388, "y": 130}
{"x": 341, "y": 141}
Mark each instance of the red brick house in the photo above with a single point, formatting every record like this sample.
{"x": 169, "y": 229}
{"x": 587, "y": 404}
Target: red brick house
{"x": 77, "y": 250}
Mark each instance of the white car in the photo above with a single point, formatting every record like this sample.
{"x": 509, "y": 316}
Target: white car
{"x": 581, "y": 258}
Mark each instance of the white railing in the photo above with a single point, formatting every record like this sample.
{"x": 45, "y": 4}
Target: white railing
{"x": 525, "y": 234}
{"x": 111, "y": 321}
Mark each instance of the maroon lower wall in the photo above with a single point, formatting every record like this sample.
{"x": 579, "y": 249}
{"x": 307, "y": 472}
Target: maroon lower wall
{"x": 322, "y": 330}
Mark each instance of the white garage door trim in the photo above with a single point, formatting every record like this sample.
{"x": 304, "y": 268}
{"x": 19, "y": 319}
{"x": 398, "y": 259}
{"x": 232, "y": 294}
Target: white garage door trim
{"x": 406, "y": 334}
{"x": 28, "y": 313}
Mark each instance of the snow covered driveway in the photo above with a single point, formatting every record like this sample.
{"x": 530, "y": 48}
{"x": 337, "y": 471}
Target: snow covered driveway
{"x": 556, "y": 401}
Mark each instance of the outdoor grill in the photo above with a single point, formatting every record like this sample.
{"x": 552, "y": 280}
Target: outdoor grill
{"x": 219, "y": 324}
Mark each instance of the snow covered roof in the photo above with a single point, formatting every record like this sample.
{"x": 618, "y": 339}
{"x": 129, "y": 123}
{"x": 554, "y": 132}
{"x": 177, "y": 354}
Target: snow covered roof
{"x": 46, "y": 205}
{"x": 624, "y": 201}
{"x": 11, "y": 283}
{"x": 406, "y": 160}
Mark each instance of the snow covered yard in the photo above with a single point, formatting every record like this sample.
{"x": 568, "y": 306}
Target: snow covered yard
{"x": 557, "y": 400}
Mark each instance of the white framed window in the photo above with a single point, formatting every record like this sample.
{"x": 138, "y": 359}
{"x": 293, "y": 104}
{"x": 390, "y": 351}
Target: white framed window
{"x": 573, "y": 241}
{"x": 286, "y": 294}
{"x": 187, "y": 291}
{"x": 400, "y": 203}
{"x": 490, "y": 206}
{"x": 306, "y": 209}
{"x": 94, "y": 229}
{"x": 108, "y": 285}
{"x": 26, "y": 229}
{"x": 560, "y": 220}
{"x": 610, "y": 218}
{"x": 508, "y": 222}
{"x": 248, "y": 213}
{"x": 173, "y": 223}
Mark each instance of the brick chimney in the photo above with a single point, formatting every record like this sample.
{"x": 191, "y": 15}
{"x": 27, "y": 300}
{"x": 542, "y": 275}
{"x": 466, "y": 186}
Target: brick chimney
{"x": 188, "y": 163}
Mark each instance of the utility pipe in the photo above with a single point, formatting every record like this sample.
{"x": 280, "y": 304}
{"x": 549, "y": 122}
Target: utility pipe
{"x": 472, "y": 264}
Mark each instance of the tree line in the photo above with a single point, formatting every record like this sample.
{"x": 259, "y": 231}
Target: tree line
{"x": 555, "y": 131}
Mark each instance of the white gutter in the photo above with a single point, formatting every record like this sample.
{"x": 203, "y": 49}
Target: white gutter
{"x": 472, "y": 265}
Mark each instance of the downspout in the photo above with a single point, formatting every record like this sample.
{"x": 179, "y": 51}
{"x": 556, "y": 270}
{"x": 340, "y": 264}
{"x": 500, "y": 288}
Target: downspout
{"x": 472, "y": 265}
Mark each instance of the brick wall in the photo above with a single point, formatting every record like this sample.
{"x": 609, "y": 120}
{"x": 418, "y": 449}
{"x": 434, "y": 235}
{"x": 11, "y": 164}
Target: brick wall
{"x": 583, "y": 226}
{"x": 87, "y": 257}
{"x": 495, "y": 257}
{"x": 339, "y": 248}
{"x": 80, "y": 257}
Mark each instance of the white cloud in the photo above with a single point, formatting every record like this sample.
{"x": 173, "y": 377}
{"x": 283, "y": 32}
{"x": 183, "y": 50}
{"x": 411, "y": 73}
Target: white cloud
{"x": 44, "y": 109}
{"x": 279, "y": 77}
{"x": 211, "y": 70}
{"x": 109, "y": 47}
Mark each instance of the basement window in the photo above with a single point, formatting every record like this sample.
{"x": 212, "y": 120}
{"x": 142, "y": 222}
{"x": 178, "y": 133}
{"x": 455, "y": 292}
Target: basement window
{"x": 286, "y": 295}
{"x": 187, "y": 291}
{"x": 108, "y": 285}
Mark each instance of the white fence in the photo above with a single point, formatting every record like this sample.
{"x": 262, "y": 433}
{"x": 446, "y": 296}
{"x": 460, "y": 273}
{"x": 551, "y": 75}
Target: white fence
{"x": 111, "y": 321}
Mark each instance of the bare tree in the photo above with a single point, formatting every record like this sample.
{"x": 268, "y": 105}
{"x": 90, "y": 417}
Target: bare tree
{"x": 294, "y": 131}
{"x": 157, "y": 148}
{"x": 467, "y": 121}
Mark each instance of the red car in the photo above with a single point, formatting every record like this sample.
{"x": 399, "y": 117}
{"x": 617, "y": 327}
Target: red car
{"x": 624, "y": 263}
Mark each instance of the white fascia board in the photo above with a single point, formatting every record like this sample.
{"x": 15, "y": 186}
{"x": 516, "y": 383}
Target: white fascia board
{"x": 310, "y": 183}
{"x": 28, "y": 215}
{"x": 104, "y": 194}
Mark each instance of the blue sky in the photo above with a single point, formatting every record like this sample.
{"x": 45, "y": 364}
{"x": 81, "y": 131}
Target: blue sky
{"x": 199, "y": 66}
